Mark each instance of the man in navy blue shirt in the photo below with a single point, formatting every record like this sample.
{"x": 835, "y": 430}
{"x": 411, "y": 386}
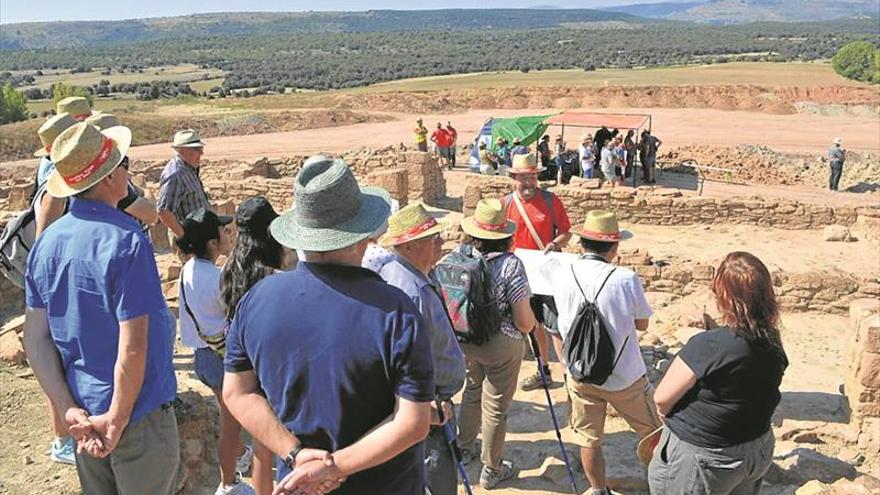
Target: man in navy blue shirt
{"x": 330, "y": 358}
{"x": 98, "y": 333}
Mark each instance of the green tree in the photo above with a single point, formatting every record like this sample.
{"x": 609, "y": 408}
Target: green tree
{"x": 859, "y": 60}
{"x": 13, "y": 105}
{"x": 61, "y": 91}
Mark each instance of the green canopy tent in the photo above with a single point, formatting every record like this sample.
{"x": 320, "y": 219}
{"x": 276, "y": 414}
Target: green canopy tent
{"x": 528, "y": 129}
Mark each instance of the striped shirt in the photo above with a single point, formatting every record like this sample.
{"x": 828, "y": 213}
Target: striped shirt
{"x": 511, "y": 286}
{"x": 180, "y": 189}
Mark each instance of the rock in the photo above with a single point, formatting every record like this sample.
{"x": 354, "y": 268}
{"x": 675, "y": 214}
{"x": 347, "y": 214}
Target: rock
{"x": 863, "y": 485}
{"x": 791, "y": 429}
{"x": 26, "y": 460}
{"x": 837, "y": 233}
{"x": 12, "y": 350}
{"x": 15, "y": 325}
{"x": 802, "y": 465}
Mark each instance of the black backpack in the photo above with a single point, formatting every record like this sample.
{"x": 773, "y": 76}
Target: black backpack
{"x": 469, "y": 295}
{"x": 588, "y": 349}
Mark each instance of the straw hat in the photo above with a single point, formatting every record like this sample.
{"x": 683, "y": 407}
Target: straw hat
{"x": 50, "y": 130}
{"x": 838, "y": 141}
{"x": 489, "y": 221}
{"x": 83, "y": 156}
{"x": 187, "y": 138}
{"x": 412, "y": 222}
{"x": 645, "y": 450}
{"x": 330, "y": 210}
{"x": 602, "y": 226}
{"x": 103, "y": 120}
{"x": 586, "y": 137}
{"x": 77, "y": 106}
{"x": 525, "y": 164}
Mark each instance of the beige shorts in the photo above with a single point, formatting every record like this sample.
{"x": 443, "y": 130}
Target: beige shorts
{"x": 635, "y": 404}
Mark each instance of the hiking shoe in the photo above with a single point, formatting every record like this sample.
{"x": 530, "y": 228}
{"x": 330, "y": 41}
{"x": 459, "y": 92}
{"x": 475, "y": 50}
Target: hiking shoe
{"x": 243, "y": 463}
{"x": 239, "y": 487}
{"x": 533, "y": 382}
{"x": 64, "y": 451}
{"x": 489, "y": 478}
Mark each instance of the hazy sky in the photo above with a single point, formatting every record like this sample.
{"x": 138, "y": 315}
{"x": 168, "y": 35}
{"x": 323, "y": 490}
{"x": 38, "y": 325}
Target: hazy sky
{"x": 78, "y": 10}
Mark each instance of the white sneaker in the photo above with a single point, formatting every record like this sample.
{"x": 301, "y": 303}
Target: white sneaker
{"x": 244, "y": 461}
{"x": 237, "y": 488}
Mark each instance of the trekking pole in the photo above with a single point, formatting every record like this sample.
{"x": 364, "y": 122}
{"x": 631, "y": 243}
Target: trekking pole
{"x": 453, "y": 447}
{"x": 546, "y": 385}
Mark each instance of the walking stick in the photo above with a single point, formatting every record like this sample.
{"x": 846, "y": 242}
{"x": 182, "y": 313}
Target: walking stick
{"x": 546, "y": 385}
{"x": 453, "y": 447}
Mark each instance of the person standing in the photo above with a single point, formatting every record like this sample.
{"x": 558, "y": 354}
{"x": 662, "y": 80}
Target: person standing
{"x": 541, "y": 223}
{"x": 343, "y": 365}
{"x": 559, "y": 149}
{"x": 181, "y": 191}
{"x": 502, "y": 155}
{"x": 453, "y": 133}
{"x": 719, "y": 393}
{"x": 421, "y": 133}
{"x": 98, "y": 332}
{"x": 442, "y": 140}
{"x": 629, "y": 146}
{"x": 488, "y": 163}
{"x": 414, "y": 237}
{"x": 603, "y": 135}
{"x": 648, "y": 149}
{"x": 544, "y": 150}
{"x": 836, "y": 158}
{"x": 493, "y": 366}
{"x": 620, "y": 300}
{"x": 607, "y": 163}
{"x": 586, "y": 152}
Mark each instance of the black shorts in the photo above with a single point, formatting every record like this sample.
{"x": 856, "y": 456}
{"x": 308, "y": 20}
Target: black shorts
{"x": 544, "y": 308}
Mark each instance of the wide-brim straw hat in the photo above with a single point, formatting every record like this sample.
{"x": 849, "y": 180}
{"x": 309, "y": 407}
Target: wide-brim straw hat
{"x": 489, "y": 221}
{"x": 187, "y": 138}
{"x": 410, "y": 223}
{"x": 838, "y": 141}
{"x": 525, "y": 164}
{"x": 50, "y": 130}
{"x": 331, "y": 211}
{"x": 77, "y": 106}
{"x": 103, "y": 120}
{"x": 645, "y": 450}
{"x": 602, "y": 226}
{"x": 83, "y": 155}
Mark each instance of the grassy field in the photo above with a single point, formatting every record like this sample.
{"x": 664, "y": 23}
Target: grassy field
{"x": 758, "y": 73}
{"x": 176, "y": 73}
{"x": 111, "y": 104}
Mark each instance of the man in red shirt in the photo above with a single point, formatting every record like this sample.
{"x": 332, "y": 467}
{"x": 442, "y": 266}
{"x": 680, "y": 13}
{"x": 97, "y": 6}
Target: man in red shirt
{"x": 442, "y": 139}
{"x": 453, "y": 136}
{"x": 542, "y": 223}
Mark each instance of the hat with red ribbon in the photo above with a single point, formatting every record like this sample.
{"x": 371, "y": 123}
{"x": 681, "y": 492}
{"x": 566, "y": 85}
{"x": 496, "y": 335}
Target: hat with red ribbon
{"x": 602, "y": 226}
{"x": 489, "y": 221}
{"x": 51, "y": 128}
{"x": 83, "y": 155}
{"x": 410, "y": 223}
{"x": 77, "y": 106}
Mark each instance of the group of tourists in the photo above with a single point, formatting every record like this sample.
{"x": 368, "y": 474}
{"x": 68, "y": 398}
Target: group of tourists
{"x": 342, "y": 360}
{"x": 443, "y": 142}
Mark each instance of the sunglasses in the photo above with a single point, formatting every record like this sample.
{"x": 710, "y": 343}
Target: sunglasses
{"x": 124, "y": 163}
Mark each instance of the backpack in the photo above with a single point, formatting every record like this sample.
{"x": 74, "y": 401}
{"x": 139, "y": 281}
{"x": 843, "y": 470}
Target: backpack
{"x": 467, "y": 290}
{"x": 16, "y": 242}
{"x": 547, "y": 196}
{"x": 588, "y": 350}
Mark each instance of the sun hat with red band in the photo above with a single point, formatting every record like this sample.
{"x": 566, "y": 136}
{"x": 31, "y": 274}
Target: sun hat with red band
{"x": 489, "y": 221}
{"x": 602, "y": 226}
{"x": 83, "y": 156}
{"x": 77, "y": 106}
{"x": 410, "y": 223}
{"x": 50, "y": 130}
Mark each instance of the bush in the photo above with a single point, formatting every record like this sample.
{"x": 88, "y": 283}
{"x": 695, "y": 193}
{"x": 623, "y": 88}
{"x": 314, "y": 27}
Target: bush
{"x": 61, "y": 91}
{"x": 13, "y": 105}
{"x": 859, "y": 60}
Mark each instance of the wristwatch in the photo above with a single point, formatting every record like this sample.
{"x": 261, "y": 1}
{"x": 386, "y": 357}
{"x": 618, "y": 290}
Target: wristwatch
{"x": 290, "y": 460}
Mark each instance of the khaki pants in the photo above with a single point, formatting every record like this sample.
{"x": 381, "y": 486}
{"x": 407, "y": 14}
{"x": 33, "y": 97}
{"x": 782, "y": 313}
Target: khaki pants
{"x": 635, "y": 404}
{"x": 143, "y": 463}
{"x": 492, "y": 371}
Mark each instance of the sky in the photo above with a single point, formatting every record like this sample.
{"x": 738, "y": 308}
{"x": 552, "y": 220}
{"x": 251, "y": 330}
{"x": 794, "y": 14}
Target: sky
{"x": 79, "y": 10}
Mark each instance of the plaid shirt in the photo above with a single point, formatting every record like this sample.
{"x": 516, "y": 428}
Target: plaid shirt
{"x": 180, "y": 189}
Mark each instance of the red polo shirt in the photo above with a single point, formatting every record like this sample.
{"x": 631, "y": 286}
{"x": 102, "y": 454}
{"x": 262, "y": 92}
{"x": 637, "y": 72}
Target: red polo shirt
{"x": 539, "y": 213}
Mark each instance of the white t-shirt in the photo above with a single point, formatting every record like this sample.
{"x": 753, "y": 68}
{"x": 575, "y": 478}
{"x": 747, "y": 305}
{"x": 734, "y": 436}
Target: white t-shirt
{"x": 586, "y": 153}
{"x": 621, "y": 302}
{"x": 201, "y": 280}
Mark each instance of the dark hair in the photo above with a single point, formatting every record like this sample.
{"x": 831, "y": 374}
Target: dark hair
{"x": 255, "y": 256}
{"x": 486, "y": 246}
{"x": 195, "y": 245}
{"x": 745, "y": 297}
{"x": 598, "y": 247}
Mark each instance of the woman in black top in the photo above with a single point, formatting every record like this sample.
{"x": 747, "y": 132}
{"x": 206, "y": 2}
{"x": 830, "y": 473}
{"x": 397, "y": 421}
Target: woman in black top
{"x": 721, "y": 390}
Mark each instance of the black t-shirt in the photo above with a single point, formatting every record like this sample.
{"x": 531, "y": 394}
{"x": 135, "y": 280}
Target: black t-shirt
{"x": 736, "y": 392}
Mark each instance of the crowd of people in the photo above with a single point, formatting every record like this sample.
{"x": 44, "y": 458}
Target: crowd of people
{"x": 337, "y": 334}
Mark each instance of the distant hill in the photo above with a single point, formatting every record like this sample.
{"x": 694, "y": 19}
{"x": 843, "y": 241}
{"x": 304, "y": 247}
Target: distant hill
{"x": 35, "y": 35}
{"x": 743, "y": 11}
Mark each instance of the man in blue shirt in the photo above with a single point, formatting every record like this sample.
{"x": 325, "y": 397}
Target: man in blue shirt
{"x": 330, "y": 358}
{"x": 98, "y": 332}
{"x": 414, "y": 237}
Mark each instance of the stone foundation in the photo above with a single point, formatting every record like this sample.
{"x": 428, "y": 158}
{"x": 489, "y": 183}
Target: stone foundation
{"x": 863, "y": 379}
{"x": 658, "y": 206}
